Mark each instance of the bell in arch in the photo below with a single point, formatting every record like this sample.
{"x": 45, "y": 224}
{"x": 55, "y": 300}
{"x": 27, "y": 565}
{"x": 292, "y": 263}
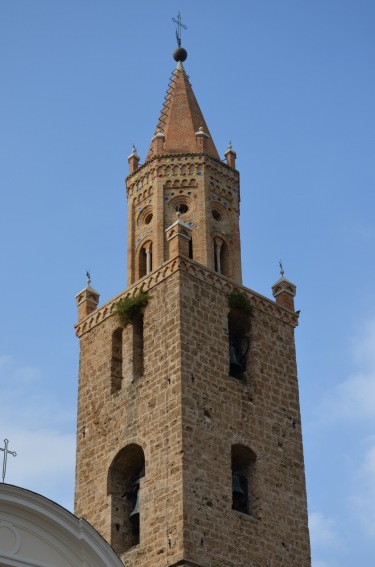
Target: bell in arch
{"x": 134, "y": 515}
{"x": 239, "y": 498}
{"x": 236, "y": 486}
{"x": 235, "y": 366}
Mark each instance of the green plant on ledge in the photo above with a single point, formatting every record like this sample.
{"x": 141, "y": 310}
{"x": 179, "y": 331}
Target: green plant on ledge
{"x": 239, "y": 301}
{"x": 129, "y": 307}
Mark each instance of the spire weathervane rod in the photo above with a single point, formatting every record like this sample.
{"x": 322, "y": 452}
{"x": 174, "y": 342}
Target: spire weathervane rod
{"x": 6, "y": 453}
{"x": 281, "y": 268}
{"x": 178, "y": 29}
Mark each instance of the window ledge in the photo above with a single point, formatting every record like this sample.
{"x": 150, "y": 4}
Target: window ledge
{"x": 243, "y": 515}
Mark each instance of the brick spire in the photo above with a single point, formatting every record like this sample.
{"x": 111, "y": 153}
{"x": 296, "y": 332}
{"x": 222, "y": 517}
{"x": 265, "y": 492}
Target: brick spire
{"x": 181, "y": 120}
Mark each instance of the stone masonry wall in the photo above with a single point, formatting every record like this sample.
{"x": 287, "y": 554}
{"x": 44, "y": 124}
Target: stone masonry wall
{"x": 186, "y": 412}
{"x": 147, "y": 412}
{"x": 262, "y": 413}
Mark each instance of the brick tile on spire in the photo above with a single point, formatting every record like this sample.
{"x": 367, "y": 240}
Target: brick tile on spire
{"x": 181, "y": 118}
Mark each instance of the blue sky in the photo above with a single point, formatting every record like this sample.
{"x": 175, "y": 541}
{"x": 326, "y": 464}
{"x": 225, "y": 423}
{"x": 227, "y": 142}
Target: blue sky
{"x": 291, "y": 83}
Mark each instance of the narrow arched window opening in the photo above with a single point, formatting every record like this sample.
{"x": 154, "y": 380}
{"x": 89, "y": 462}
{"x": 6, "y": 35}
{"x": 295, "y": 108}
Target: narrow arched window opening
{"x": 116, "y": 361}
{"x": 224, "y": 259}
{"x": 221, "y": 257}
{"x": 191, "y": 248}
{"x": 142, "y": 262}
{"x": 125, "y": 488}
{"x": 145, "y": 260}
{"x": 238, "y": 343}
{"x": 138, "y": 346}
{"x": 243, "y": 479}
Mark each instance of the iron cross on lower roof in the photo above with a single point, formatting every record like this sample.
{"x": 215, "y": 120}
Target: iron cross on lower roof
{"x": 6, "y": 453}
{"x": 178, "y": 30}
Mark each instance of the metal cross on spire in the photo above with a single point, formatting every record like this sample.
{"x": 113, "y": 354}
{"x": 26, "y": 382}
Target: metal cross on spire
{"x": 6, "y": 453}
{"x": 178, "y": 30}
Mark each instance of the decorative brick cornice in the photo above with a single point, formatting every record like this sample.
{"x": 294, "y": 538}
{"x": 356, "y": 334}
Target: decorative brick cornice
{"x": 169, "y": 168}
{"x": 227, "y": 285}
{"x": 198, "y": 271}
{"x": 158, "y": 159}
{"x": 145, "y": 284}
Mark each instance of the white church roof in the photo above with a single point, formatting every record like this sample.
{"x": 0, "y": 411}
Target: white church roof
{"x": 35, "y": 531}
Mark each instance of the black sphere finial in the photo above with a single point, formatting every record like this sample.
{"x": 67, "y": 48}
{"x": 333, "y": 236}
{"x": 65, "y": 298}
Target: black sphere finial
{"x": 180, "y": 54}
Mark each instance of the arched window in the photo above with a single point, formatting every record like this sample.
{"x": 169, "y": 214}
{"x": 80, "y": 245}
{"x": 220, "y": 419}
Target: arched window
{"x": 145, "y": 259}
{"x": 239, "y": 343}
{"x": 142, "y": 262}
{"x": 124, "y": 486}
{"x": 116, "y": 361}
{"x": 243, "y": 479}
{"x": 221, "y": 257}
{"x": 138, "y": 365}
{"x": 191, "y": 248}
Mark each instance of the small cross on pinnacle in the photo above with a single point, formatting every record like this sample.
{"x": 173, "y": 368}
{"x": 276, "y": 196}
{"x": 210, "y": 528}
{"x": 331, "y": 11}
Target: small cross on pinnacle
{"x": 178, "y": 30}
{"x": 6, "y": 453}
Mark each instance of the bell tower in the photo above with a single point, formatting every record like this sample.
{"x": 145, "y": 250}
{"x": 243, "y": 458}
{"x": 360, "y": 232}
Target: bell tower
{"x": 184, "y": 176}
{"x": 189, "y": 443}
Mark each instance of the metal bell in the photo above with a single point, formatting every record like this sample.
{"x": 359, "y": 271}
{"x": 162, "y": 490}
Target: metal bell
{"x": 239, "y": 496}
{"x": 134, "y": 516}
{"x": 236, "y": 486}
{"x": 235, "y": 366}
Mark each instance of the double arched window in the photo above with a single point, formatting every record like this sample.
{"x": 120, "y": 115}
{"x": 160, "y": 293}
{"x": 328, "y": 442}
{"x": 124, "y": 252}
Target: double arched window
{"x": 145, "y": 259}
{"x": 221, "y": 257}
{"x": 127, "y": 357}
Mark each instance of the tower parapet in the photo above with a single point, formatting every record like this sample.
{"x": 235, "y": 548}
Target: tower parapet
{"x": 133, "y": 160}
{"x": 231, "y": 157}
{"x": 87, "y": 301}
{"x": 284, "y": 292}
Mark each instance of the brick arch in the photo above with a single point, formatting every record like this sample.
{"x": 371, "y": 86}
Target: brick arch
{"x": 143, "y": 215}
{"x": 216, "y": 205}
{"x": 221, "y": 255}
{"x": 144, "y": 259}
